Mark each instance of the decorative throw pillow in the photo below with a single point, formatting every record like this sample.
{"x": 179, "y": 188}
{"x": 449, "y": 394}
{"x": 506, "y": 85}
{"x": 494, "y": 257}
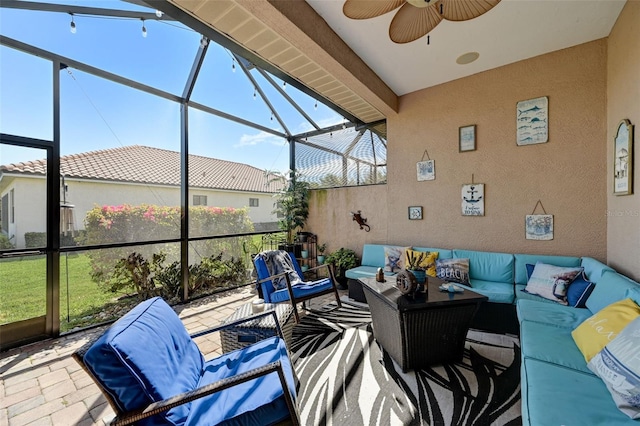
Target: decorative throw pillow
{"x": 428, "y": 261}
{"x": 618, "y": 365}
{"x": 394, "y": 258}
{"x": 453, "y": 270}
{"x": 579, "y": 291}
{"x": 601, "y": 328}
{"x": 551, "y": 282}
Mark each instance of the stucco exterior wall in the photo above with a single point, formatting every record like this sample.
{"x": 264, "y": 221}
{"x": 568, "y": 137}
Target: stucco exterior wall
{"x": 567, "y": 174}
{"x": 623, "y": 94}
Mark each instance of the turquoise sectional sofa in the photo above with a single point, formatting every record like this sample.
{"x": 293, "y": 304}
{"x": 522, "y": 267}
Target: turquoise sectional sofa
{"x": 557, "y": 386}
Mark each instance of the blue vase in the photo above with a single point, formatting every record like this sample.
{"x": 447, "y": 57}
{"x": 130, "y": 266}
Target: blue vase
{"x": 421, "y": 276}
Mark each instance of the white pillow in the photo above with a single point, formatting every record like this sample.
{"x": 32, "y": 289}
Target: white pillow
{"x": 552, "y": 282}
{"x": 394, "y": 258}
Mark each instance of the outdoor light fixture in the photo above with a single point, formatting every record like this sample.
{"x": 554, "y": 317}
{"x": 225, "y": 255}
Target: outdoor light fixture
{"x": 284, "y": 85}
{"x": 254, "y": 93}
{"x": 203, "y": 42}
{"x": 233, "y": 65}
{"x": 159, "y": 13}
{"x": 144, "y": 30}
{"x": 73, "y": 25}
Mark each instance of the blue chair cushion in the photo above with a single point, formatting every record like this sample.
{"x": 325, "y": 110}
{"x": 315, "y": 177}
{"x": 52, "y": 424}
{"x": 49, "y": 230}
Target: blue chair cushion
{"x": 551, "y": 313}
{"x": 301, "y": 290}
{"x": 145, "y": 357}
{"x": 611, "y": 287}
{"x": 256, "y": 402}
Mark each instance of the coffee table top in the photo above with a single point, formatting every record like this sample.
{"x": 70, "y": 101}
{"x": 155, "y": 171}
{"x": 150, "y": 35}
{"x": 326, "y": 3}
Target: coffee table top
{"x": 432, "y": 298}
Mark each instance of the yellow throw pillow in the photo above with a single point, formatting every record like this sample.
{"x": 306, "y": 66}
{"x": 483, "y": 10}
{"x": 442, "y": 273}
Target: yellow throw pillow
{"x": 428, "y": 261}
{"x": 596, "y": 331}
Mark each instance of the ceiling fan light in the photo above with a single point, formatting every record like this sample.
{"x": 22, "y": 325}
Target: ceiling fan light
{"x": 420, "y": 3}
{"x": 467, "y": 58}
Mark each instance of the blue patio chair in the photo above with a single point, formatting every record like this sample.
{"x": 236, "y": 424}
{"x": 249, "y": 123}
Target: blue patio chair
{"x": 281, "y": 280}
{"x": 152, "y": 373}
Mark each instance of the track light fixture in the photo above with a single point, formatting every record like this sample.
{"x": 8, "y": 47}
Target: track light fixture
{"x": 144, "y": 30}
{"x": 233, "y": 65}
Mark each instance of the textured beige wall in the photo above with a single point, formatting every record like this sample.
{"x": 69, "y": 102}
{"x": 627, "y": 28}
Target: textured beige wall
{"x": 568, "y": 174}
{"x": 623, "y": 94}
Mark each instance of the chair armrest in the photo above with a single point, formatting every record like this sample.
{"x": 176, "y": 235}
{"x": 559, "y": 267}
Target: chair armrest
{"x": 253, "y": 317}
{"x": 186, "y": 397}
{"x": 270, "y": 277}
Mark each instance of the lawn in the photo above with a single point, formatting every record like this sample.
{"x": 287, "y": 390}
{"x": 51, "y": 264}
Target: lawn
{"x": 23, "y": 291}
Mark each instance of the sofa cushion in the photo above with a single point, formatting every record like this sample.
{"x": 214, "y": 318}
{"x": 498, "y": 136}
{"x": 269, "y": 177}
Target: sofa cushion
{"x": 488, "y": 266}
{"x": 551, "y": 344}
{"x": 521, "y": 294}
{"x": 521, "y": 261}
{"x": 496, "y": 292}
{"x": 618, "y": 365}
{"x": 361, "y": 272}
{"x": 394, "y": 258}
{"x": 453, "y": 270}
{"x": 373, "y": 255}
{"x": 545, "y": 391}
{"x": 594, "y": 268}
{"x": 602, "y": 327}
{"x": 147, "y": 356}
{"x": 442, "y": 252}
{"x": 551, "y": 313}
{"x": 252, "y": 402}
{"x": 551, "y": 282}
{"x": 610, "y": 288}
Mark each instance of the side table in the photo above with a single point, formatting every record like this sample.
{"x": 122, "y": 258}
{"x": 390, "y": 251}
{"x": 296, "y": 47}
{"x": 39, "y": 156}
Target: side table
{"x": 430, "y": 329}
{"x": 251, "y": 332}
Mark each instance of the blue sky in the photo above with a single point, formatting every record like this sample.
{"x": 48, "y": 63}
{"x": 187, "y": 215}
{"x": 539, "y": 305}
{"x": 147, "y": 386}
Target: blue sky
{"x": 99, "y": 114}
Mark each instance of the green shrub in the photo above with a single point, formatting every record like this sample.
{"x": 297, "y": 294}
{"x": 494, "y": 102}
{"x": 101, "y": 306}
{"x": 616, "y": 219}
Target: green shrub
{"x": 35, "y": 239}
{"x": 5, "y": 243}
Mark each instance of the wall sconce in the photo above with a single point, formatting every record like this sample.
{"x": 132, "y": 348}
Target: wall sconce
{"x": 361, "y": 220}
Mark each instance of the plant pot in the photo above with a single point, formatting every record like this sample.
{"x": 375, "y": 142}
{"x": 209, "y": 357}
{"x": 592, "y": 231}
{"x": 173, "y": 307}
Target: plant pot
{"x": 421, "y": 276}
{"x": 304, "y": 254}
{"x": 304, "y": 268}
{"x": 320, "y": 259}
{"x": 302, "y": 236}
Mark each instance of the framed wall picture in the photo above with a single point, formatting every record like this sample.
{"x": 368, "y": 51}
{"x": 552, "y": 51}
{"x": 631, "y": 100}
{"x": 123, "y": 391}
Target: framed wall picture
{"x": 426, "y": 170}
{"x": 623, "y": 159}
{"x": 415, "y": 212}
{"x": 532, "y": 121}
{"x": 467, "y": 138}
{"x": 539, "y": 227}
{"x": 473, "y": 199}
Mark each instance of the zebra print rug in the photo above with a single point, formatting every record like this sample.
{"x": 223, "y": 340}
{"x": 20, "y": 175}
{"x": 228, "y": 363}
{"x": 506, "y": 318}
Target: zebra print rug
{"x": 346, "y": 378}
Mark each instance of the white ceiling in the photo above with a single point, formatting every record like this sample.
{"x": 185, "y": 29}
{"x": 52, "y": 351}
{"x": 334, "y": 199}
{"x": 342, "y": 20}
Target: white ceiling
{"x": 512, "y": 31}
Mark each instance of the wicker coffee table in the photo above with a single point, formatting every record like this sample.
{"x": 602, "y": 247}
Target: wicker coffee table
{"x": 250, "y": 332}
{"x": 429, "y": 329}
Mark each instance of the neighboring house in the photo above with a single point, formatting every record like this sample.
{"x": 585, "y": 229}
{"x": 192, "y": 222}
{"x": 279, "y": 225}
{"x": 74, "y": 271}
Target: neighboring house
{"x": 132, "y": 175}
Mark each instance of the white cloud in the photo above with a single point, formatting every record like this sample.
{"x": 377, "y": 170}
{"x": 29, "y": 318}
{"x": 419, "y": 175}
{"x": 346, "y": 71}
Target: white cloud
{"x": 259, "y": 138}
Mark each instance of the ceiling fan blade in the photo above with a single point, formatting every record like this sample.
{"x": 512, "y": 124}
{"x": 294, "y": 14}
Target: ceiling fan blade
{"x": 411, "y": 23}
{"x": 364, "y": 9}
{"x": 463, "y": 10}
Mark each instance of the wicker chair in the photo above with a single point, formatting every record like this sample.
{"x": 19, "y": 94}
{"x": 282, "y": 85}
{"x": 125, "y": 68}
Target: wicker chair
{"x": 292, "y": 293}
{"x": 152, "y": 373}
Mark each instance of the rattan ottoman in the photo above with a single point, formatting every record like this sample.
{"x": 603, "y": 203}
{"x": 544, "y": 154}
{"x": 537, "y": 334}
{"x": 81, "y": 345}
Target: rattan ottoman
{"x": 250, "y": 332}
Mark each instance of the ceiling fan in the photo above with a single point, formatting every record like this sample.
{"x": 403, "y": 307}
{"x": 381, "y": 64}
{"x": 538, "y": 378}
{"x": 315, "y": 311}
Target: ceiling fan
{"x": 415, "y": 18}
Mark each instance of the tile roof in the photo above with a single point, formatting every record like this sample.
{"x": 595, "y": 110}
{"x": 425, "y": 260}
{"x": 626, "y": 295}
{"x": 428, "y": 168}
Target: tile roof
{"x": 147, "y": 165}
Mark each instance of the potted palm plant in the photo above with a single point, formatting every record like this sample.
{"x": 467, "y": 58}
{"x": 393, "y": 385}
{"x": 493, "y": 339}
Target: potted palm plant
{"x": 292, "y": 207}
{"x": 342, "y": 259}
{"x": 415, "y": 261}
